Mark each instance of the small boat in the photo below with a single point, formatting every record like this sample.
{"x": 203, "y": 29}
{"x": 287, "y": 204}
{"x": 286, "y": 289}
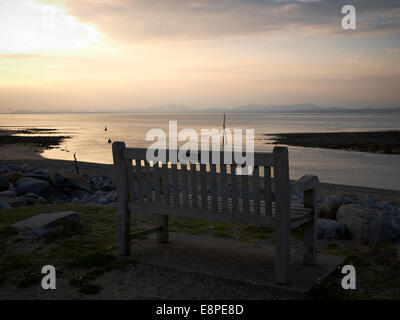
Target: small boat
{"x": 105, "y": 128}
{"x": 109, "y": 140}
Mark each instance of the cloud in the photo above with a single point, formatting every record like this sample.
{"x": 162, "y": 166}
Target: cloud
{"x": 21, "y": 56}
{"x": 210, "y": 19}
{"x": 28, "y": 26}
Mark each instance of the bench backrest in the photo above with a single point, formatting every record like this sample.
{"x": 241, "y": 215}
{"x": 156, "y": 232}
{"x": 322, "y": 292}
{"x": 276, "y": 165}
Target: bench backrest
{"x": 211, "y": 187}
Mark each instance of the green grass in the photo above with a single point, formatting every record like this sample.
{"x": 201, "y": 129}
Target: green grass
{"x": 83, "y": 252}
{"x": 377, "y": 272}
{"x": 86, "y": 248}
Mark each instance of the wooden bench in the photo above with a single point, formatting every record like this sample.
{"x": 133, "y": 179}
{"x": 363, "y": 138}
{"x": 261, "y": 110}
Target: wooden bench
{"x": 198, "y": 191}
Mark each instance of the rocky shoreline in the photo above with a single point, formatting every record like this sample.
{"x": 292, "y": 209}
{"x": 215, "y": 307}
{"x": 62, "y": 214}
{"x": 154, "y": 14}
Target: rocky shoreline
{"x": 340, "y": 216}
{"x": 24, "y": 185}
{"x": 384, "y": 142}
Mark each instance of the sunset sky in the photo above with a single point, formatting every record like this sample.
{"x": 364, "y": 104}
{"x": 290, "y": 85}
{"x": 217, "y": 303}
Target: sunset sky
{"x": 125, "y": 54}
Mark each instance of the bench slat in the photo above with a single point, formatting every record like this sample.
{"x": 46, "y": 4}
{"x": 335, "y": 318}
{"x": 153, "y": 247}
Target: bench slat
{"x": 147, "y": 174}
{"x": 157, "y": 187}
{"x": 185, "y": 187}
{"x": 198, "y": 213}
{"x": 235, "y": 194}
{"x": 193, "y": 179}
{"x": 245, "y": 189}
{"x": 267, "y": 190}
{"x": 214, "y": 195}
{"x": 175, "y": 184}
{"x": 131, "y": 181}
{"x": 165, "y": 183}
{"x": 223, "y": 188}
{"x": 139, "y": 179}
{"x": 203, "y": 182}
{"x": 256, "y": 190}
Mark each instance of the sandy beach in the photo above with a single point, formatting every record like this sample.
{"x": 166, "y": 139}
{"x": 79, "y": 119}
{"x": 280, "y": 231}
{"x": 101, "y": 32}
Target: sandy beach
{"x": 18, "y": 152}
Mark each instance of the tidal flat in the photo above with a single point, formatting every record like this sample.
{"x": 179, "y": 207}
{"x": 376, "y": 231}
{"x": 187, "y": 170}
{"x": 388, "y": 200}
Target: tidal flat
{"x": 384, "y": 142}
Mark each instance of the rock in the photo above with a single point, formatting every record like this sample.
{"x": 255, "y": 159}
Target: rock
{"x": 330, "y": 229}
{"x": 33, "y": 199}
{"x": 17, "y": 202}
{"x": 370, "y": 201}
{"x": 85, "y": 197}
{"x": 108, "y": 186}
{"x": 26, "y": 167}
{"x": 40, "y": 225}
{"x": 39, "y": 187}
{"x": 369, "y": 224}
{"x": 6, "y": 169}
{"x": 75, "y": 201}
{"x": 94, "y": 197}
{"x": 112, "y": 197}
{"x": 4, "y": 204}
{"x": 8, "y": 194}
{"x": 103, "y": 200}
{"x": 78, "y": 194}
{"x": 4, "y": 183}
{"x": 330, "y": 206}
{"x": 348, "y": 201}
{"x": 70, "y": 181}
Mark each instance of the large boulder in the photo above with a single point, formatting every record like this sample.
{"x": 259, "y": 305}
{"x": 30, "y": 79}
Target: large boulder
{"x": 369, "y": 224}
{"x": 69, "y": 181}
{"x": 4, "y": 183}
{"x": 330, "y": 229}
{"x": 8, "y": 194}
{"x": 33, "y": 199}
{"x": 330, "y": 206}
{"x": 4, "y": 204}
{"x": 15, "y": 201}
{"x": 26, "y": 185}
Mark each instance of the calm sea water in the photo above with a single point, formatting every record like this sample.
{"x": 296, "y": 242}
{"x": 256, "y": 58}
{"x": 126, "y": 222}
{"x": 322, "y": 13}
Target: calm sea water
{"x": 89, "y": 140}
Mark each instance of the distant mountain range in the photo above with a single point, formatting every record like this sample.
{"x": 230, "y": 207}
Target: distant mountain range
{"x": 249, "y": 108}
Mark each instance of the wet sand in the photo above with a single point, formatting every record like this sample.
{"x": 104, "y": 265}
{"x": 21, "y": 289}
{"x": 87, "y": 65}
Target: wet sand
{"x": 18, "y": 152}
{"x": 30, "y": 137}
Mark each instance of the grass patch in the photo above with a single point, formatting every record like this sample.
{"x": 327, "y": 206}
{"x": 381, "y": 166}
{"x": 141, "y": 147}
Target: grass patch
{"x": 377, "y": 272}
{"x": 90, "y": 288}
{"x": 83, "y": 252}
{"x": 86, "y": 248}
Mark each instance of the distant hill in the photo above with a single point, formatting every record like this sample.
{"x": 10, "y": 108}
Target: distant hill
{"x": 167, "y": 108}
{"x": 308, "y": 107}
{"x": 249, "y": 108}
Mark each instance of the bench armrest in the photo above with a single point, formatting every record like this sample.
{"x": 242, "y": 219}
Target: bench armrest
{"x": 303, "y": 184}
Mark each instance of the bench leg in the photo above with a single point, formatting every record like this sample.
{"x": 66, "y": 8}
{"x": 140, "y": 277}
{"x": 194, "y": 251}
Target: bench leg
{"x": 282, "y": 255}
{"x": 283, "y": 221}
{"x": 310, "y": 228}
{"x": 123, "y": 231}
{"x": 162, "y": 235}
